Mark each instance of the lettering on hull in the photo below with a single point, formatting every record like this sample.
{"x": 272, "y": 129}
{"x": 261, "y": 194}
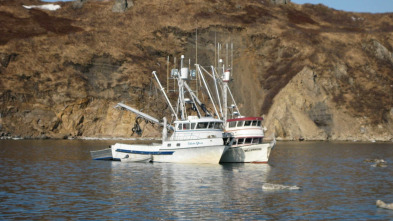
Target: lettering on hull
{"x": 252, "y": 149}
{"x": 195, "y": 143}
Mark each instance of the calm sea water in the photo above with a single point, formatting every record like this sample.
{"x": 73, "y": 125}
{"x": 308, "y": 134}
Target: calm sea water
{"x": 47, "y": 179}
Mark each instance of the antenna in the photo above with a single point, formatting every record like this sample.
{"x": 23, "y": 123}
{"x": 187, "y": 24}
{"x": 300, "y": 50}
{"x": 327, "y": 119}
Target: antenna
{"x": 174, "y": 81}
{"x": 218, "y": 52}
{"x": 215, "y": 49}
{"x": 196, "y": 46}
{"x": 196, "y": 61}
{"x": 227, "y": 57}
{"x": 232, "y": 57}
{"x": 167, "y": 74}
{"x": 181, "y": 61}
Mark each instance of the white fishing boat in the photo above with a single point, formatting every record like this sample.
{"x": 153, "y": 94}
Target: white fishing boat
{"x": 243, "y": 135}
{"x": 247, "y": 145}
{"x": 195, "y": 139}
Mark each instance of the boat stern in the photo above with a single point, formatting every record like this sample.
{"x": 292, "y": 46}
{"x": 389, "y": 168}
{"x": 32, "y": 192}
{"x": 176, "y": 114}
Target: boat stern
{"x": 105, "y": 154}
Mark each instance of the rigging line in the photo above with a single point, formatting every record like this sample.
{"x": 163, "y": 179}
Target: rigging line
{"x": 218, "y": 94}
{"x": 233, "y": 99}
{"x": 207, "y": 88}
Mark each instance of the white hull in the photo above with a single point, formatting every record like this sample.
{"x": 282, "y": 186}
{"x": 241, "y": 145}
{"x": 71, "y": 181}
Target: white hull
{"x": 256, "y": 153}
{"x": 210, "y": 154}
{"x": 197, "y": 154}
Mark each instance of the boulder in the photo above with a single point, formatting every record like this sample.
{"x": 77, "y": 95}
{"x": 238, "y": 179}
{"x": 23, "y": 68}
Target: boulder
{"x": 122, "y": 5}
{"x": 279, "y": 2}
{"x": 384, "y": 205}
{"x": 77, "y": 4}
{"x": 6, "y": 58}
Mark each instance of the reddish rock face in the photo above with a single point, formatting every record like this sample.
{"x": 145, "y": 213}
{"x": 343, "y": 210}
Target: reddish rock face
{"x": 314, "y": 72}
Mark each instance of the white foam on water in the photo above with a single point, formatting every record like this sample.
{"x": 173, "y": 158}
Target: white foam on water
{"x": 272, "y": 186}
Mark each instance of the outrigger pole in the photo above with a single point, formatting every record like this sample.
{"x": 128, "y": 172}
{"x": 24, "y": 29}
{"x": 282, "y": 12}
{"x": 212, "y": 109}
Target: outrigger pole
{"x": 207, "y": 88}
{"x": 143, "y": 115}
{"x": 166, "y": 97}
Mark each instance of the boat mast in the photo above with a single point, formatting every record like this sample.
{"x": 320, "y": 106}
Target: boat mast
{"x": 181, "y": 89}
{"x": 229, "y": 90}
{"x": 196, "y": 60}
{"x": 232, "y": 58}
{"x": 225, "y": 80}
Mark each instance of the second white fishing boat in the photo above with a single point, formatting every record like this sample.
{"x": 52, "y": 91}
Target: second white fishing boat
{"x": 243, "y": 135}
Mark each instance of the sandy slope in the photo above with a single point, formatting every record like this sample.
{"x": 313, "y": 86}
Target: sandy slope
{"x": 313, "y": 72}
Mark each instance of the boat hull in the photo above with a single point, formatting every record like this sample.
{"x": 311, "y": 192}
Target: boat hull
{"x": 198, "y": 154}
{"x": 209, "y": 154}
{"x": 257, "y": 153}
{"x": 105, "y": 154}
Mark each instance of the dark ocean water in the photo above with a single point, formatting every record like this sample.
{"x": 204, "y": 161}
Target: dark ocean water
{"x": 56, "y": 179}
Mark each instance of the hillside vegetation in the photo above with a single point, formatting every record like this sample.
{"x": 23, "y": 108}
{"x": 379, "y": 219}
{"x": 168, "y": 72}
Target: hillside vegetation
{"x": 311, "y": 71}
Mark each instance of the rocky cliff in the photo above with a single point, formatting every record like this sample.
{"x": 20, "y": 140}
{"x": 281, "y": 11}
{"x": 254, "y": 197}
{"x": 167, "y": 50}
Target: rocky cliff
{"x": 312, "y": 72}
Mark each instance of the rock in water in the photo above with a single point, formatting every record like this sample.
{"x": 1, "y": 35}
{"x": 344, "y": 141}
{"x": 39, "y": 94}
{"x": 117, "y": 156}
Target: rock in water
{"x": 122, "y": 5}
{"x": 374, "y": 161}
{"x": 272, "y": 186}
{"x": 384, "y": 205}
{"x": 377, "y": 162}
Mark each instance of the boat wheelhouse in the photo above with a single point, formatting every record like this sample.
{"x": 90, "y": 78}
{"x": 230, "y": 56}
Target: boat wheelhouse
{"x": 245, "y": 141}
{"x": 245, "y": 130}
{"x": 194, "y": 127}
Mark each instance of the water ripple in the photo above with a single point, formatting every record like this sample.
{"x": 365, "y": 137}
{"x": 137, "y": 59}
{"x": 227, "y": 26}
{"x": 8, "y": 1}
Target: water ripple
{"x": 58, "y": 180}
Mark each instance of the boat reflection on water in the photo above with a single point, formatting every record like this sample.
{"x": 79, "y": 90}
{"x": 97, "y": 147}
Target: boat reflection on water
{"x": 179, "y": 190}
{"x": 60, "y": 175}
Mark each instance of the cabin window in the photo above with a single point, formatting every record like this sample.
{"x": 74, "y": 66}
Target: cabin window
{"x": 240, "y": 141}
{"x": 193, "y": 126}
{"x": 180, "y": 126}
{"x": 217, "y": 125}
{"x": 247, "y": 123}
{"x": 178, "y": 144}
{"x": 248, "y": 140}
{"x": 211, "y": 125}
{"x": 256, "y": 140}
{"x": 186, "y": 126}
{"x": 202, "y": 125}
{"x": 254, "y": 123}
{"x": 240, "y": 123}
{"x": 232, "y": 124}
{"x": 259, "y": 123}
{"x": 168, "y": 145}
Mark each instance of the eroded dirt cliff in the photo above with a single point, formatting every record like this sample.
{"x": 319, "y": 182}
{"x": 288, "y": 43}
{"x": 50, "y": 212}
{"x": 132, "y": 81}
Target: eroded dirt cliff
{"x": 313, "y": 72}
